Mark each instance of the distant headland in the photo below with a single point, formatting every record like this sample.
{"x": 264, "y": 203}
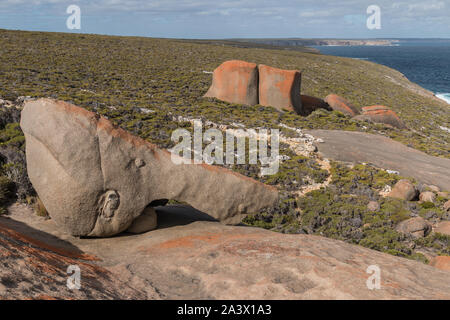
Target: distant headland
{"x": 321, "y": 42}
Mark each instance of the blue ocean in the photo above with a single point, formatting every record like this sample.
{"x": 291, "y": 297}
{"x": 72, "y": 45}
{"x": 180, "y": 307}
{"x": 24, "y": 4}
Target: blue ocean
{"x": 425, "y": 62}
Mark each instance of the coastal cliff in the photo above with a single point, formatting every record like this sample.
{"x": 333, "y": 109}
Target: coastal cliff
{"x": 322, "y": 42}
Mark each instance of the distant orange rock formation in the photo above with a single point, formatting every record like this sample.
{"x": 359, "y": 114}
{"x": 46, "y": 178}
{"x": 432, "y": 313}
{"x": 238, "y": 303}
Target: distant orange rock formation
{"x": 235, "y": 82}
{"x": 280, "y": 88}
{"x": 245, "y": 83}
{"x": 381, "y": 114}
{"x": 338, "y": 103}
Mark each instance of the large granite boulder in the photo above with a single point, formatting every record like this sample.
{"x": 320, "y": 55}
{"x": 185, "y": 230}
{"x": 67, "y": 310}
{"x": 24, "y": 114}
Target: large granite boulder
{"x": 338, "y": 103}
{"x": 280, "y": 88}
{"x": 95, "y": 179}
{"x": 235, "y": 82}
{"x": 381, "y": 114}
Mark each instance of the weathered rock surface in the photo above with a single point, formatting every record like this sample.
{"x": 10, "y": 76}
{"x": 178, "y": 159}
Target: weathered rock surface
{"x": 146, "y": 222}
{"x": 443, "y": 227}
{"x": 416, "y": 227}
{"x": 404, "y": 190}
{"x": 95, "y": 179}
{"x": 338, "y": 103}
{"x": 280, "y": 88}
{"x": 34, "y": 269}
{"x": 235, "y": 82}
{"x": 384, "y": 153}
{"x": 441, "y": 262}
{"x": 381, "y": 114}
{"x": 207, "y": 260}
{"x": 310, "y": 104}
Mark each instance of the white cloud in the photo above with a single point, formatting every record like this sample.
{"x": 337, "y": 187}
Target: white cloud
{"x": 328, "y": 16}
{"x": 426, "y": 6}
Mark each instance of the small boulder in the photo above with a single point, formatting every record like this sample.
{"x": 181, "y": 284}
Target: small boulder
{"x": 310, "y": 104}
{"x": 447, "y": 206}
{"x": 427, "y": 196}
{"x": 146, "y": 222}
{"x": 443, "y": 227}
{"x": 280, "y": 88}
{"x": 416, "y": 227}
{"x": 404, "y": 190}
{"x": 381, "y": 114}
{"x": 338, "y": 103}
{"x": 235, "y": 82}
{"x": 441, "y": 262}
{"x": 373, "y": 206}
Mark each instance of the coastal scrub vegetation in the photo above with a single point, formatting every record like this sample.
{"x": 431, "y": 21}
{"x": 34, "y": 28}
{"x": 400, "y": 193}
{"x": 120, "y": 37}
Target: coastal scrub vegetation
{"x": 143, "y": 84}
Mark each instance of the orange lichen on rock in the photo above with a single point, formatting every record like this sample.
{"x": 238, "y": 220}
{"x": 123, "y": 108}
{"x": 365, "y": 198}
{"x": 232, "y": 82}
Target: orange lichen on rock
{"x": 381, "y": 114}
{"x": 441, "y": 262}
{"x": 338, "y": 103}
{"x": 280, "y": 88}
{"x": 236, "y": 82}
{"x": 43, "y": 267}
{"x": 26, "y": 239}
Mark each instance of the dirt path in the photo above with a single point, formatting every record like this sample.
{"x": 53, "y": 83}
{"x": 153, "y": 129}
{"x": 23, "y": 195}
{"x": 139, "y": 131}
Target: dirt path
{"x": 384, "y": 153}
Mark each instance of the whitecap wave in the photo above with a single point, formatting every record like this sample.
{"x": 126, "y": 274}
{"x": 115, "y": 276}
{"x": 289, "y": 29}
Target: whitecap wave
{"x": 444, "y": 96}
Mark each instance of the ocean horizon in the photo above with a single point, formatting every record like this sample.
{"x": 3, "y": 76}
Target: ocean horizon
{"x": 425, "y": 62}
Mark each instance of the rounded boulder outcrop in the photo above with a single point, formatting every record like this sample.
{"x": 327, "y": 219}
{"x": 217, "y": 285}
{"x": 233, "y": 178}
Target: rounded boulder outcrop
{"x": 416, "y": 227}
{"x": 381, "y": 114}
{"x": 280, "y": 88}
{"x": 235, "y": 81}
{"x": 340, "y": 104}
{"x": 404, "y": 190}
{"x": 427, "y": 196}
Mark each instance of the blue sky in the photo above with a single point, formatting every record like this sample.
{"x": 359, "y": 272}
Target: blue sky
{"x": 233, "y": 18}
